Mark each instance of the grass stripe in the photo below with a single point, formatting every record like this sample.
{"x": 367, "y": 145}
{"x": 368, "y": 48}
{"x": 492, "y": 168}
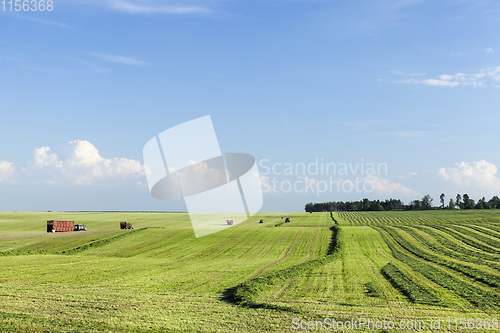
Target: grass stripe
{"x": 477, "y": 274}
{"x": 466, "y": 240}
{"x": 491, "y": 242}
{"x": 456, "y": 246}
{"x": 475, "y": 295}
{"x": 414, "y": 291}
{"x": 447, "y": 252}
{"x": 245, "y": 294}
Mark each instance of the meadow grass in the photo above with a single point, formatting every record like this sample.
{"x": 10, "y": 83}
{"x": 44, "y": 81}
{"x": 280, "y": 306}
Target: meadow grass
{"x": 160, "y": 278}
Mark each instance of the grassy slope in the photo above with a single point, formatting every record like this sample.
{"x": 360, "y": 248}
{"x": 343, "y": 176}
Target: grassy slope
{"x": 157, "y": 278}
{"x": 163, "y": 278}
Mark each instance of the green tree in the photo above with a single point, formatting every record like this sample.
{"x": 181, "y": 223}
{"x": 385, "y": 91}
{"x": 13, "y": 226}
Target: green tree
{"x": 451, "y": 205}
{"x": 366, "y": 204}
{"x": 377, "y": 206}
{"x": 482, "y": 204}
{"x": 417, "y": 204}
{"x": 441, "y": 198}
{"x": 458, "y": 201}
{"x": 466, "y": 202}
{"x": 494, "y": 202}
{"x": 427, "y": 202}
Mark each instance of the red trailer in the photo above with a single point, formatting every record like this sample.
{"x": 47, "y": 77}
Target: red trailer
{"x": 125, "y": 225}
{"x": 60, "y": 226}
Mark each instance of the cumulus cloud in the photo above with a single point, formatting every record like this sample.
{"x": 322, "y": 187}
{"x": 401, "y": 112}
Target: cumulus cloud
{"x": 267, "y": 187}
{"x": 477, "y": 178}
{"x": 371, "y": 184}
{"x": 485, "y": 77}
{"x": 42, "y": 158}
{"x": 83, "y": 165}
{"x": 411, "y": 174}
{"x": 202, "y": 176}
{"x": 490, "y": 50}
{"x": 384, "y": 187}
{"x": 6, "y": 172}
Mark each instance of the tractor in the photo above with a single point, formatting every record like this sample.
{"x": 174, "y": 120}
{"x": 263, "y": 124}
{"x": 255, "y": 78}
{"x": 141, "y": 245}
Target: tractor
{"x": 79, "y": 227}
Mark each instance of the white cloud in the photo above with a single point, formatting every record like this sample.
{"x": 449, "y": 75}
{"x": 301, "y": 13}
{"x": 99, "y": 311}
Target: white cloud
{"x": 411, "y": 174}
{"x": 152, "y": 7}
{"x": 201, "y": 176}
{"x": 485, "y": 77}
{"x": 478, "y": 178}
{"x": 308, "y": 181}
{"x": 490, "y": 50}
{"x": 266, "y": 185}
{"x": 83, "y": 166}
{"x": 119, "y": 59}
{"x": 42, "y": 158}
{"x": 6, "y": 172}
{"x": 384, "y": 187}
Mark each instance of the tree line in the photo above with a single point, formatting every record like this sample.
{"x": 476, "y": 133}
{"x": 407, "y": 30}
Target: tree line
{"x": 460, "y": 202}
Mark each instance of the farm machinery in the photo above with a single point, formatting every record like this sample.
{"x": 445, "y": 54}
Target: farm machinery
{"x": 79, "y": 227}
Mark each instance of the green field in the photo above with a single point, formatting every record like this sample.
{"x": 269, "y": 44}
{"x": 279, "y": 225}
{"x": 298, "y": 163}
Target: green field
{"x": 252, "y": 277}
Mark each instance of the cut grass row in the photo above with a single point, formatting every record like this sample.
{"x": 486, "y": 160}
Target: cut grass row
{"x": 447, "y": 252}
{"x": 414, "y": 291}
{"x": 467, "y": 240}
{"x": 411, "y": 218}
{"x": 477, "y": 274}
{"x": 487, "y": 240}
{"x": 456, "y": 246}
{"x": 372, "y": 290}
{"x": 475, "y": 295}
{"x": 483, "y": 229}
{"x": 490, "y": 226}
{"x": 245, "y": 294}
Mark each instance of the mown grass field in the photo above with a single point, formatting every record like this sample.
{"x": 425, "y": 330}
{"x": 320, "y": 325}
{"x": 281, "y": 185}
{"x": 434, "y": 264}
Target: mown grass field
{"x": 249, "y": 278}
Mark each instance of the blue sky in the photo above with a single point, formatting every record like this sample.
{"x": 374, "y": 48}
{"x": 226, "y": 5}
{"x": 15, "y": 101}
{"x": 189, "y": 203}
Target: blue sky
{"x": 411, "y": 84}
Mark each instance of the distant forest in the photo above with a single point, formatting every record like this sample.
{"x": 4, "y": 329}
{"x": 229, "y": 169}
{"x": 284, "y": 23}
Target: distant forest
{"x": 460, "y": 202}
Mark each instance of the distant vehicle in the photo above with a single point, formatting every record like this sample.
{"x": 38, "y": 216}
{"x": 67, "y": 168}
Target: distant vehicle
{"x": 60, "y": 226}
{"x": 287, "y": 219}
{"x": 229, "y": 222}
{"x": 80, "y": 227}
{"x": 126, "y": 225}
{"x": 261, "y": 221}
